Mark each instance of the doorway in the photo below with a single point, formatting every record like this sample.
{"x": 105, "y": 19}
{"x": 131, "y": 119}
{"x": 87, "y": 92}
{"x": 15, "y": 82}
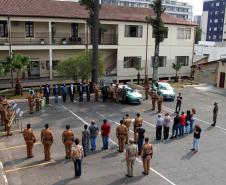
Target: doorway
{"x": 222, "y": 80}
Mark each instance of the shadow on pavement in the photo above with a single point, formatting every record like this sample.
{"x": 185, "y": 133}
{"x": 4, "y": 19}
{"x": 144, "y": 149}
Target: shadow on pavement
{"x": 111, "y": 155}
{"x": 127, "y": 180}
{"x": 209, "y": 128}
{"x": 188, "y": 156}
{"x": 64, "y": 181}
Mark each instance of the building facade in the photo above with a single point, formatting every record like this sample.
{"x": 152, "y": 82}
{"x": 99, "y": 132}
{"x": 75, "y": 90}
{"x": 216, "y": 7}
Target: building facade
{"x": 214, "y": 20}
{"x": 178, "y": 9}
{"x": 50, "y": 35}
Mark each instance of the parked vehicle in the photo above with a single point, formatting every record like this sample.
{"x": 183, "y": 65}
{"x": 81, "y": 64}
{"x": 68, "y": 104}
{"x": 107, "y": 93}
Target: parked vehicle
{"x": 166, "y": 90}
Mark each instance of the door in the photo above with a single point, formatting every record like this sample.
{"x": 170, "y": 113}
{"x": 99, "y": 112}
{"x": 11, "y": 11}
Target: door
{"x": 34, "y": 69}
{"x": 222, "y": 80}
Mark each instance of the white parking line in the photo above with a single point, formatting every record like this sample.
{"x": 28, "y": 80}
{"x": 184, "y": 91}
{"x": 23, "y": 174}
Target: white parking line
{"x": 207, "y": 123}
{"x": 156, "y": 172}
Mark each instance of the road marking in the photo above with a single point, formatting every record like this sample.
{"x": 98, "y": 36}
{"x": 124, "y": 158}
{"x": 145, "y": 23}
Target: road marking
{"x": 3, "y": 174}
{"x": 207, "y": 123}
{"x": 15, "y": 147}
{"x": 156, "y": 172}
{"x": 28, "y": 167}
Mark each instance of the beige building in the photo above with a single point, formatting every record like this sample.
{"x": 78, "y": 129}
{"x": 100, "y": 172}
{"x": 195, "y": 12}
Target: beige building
{"x": 49, "y": 31}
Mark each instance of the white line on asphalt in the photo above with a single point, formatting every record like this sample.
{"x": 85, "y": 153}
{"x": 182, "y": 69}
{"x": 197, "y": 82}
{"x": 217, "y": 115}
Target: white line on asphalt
{"x": 172, "y": 111}
{"x": 156, "y": 172}
{"x": 3, "y": 174}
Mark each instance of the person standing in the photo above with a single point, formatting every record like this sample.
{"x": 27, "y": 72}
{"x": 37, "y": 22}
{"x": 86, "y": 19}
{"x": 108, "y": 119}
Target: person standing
{"x": 64, "y": 92}
{"x": 127, "y": 122}
{"x": 46, "y": 93}
{"x": 104, "y": 93}
{"x": 159, "y": 102}
{"x": 105, "y": 131}
{"x": 111, "y": 93}
{"x": 140, "y": 141}
{"x": 121, "y": 132}
{"x": 67, "y": 139}
{"x": 215, "y": 112}
{"x": 47, "y": 141}
{"x": 137, "y": 123}
{"x": 77, "y": 156}
{"x": 80, "y": 91}
{"x": 176, "y": 125}
{"x": 192, "y": 120}
{"x": 88, "y": 91}
{"x": 131, "y": 154}
{"x": 146, "y": 90}
{"x": 94, "y": 130}
{"x": 37, "y": 101}
{"x": 154, "y": 98}
{"x": 179, "y": 102}
{"x": 72, "y": 92}
{"x": 182, "y": 123}
{"x": 123, "y": 92}
{"x": 159, "y": 124}
{"x": 146, "y": 155}
{"x": 8, "y": 118}
{"x": 117, "y": 93}
{"x": 166, "y": 126}
{"x": 85, "y": 140}
{"x": 96, "y": 89}
{"x": 56, "y": 92}
{"x": 29, "y": 139}
{"x": 197, "y": 133}
{"x": 187, "y": 122}
{"x": 31, "y": 102}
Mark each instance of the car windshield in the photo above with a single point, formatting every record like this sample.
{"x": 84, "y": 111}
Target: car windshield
{"x": 165, "y": 87}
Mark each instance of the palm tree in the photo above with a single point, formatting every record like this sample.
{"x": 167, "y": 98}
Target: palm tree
{"x": 160, "y": 32}
{"x": 177, "y": 68}
{"x": 93, "y": 21}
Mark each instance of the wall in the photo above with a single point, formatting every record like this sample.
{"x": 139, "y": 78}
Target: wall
{"x": 222, "y": 68}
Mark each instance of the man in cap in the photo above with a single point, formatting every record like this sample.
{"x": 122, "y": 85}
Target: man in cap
{"x": 215, "y": 112}
{"x": 137, "y": 123}
{"x": 68, "y": 139}
{"x": 154, "y": 98}
{"x": 146, "y": 155}
{"x": 127, "y": 122}
{"x": 29, "y": 138}
{"x": 121, "y": 132}
{"x": 47, "y": 141}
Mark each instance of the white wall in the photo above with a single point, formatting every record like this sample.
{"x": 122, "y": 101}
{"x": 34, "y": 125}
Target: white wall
{"x": 204, "y": 22}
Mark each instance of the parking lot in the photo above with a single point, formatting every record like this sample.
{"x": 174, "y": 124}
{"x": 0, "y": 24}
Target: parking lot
{"x": 173, "y": 162}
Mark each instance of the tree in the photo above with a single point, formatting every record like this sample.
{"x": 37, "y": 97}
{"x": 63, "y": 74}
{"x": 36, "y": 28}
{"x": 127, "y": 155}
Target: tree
{"x": 79, "y": 67}
{"x": 160, "y": 32}
{"x": 18, "y": 63}
{"x": 138, "y": 68}
{"x": 177, "y": 68}
{"x": 93, "y": 21}
{"x": 198, "y": 34}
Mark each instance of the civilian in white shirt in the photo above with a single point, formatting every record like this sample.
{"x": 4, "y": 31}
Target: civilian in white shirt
{"x": 166, "y": 125}
{"x": 159, "y": 124}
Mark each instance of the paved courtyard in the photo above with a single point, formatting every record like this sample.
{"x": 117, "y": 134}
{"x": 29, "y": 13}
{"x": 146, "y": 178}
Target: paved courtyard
{"x": 172, "y": 162}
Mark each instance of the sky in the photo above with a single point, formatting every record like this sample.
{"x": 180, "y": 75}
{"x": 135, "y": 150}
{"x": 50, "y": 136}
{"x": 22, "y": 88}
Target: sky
{"x": 197, "y": 6}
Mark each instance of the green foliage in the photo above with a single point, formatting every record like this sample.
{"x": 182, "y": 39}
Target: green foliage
{"x": 176, "y": 67}
{"x": 79, "y": 67}
{"x": 138, "y": 67}
{"x": 198, "y": 34}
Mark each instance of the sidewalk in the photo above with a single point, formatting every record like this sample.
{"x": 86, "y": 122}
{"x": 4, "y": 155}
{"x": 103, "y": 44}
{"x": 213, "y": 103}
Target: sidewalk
{"x": 212, "y": 89}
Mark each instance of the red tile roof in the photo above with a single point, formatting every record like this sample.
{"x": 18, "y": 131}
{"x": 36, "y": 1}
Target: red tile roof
{"x": 64, "y": 9}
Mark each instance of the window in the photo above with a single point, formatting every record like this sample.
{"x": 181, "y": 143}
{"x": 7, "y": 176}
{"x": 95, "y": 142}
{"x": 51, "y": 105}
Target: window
{"x": 217, "y": 4}
{"x": 74, "y": 30}
{"x": 182, "y": 60}
{"x": 184, "y": 33}
{"x": 133, "y": 31}
{"x": 215, "y": 29}
{"x": 165, "y": 35}
{"x": 3, "y": 29}
{"x": 55, "y": 64}
{"x": 215, "y": 20}
{"x": 214, "y": 37}
{"x": 210, "y": 29}
{"x": 131, "y": 62}
{"x": 211, "y": 21}
{"x": 162, "y": 61}
{"x": 29, "y": 29}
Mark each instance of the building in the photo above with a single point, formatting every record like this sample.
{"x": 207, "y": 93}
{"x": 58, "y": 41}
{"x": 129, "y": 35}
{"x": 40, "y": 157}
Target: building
{"x": 211, "y": 73}
{"x": 178, "y": 9}
{"x": 50, "y": 31}
{"x": 197, "y": 20}
{"x": 214, "y": 21}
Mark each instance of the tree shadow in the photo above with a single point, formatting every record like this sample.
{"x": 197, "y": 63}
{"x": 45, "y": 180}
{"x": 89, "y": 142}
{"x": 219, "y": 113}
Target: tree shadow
{"x": 187, "y": 156}
{"x": 127, "y": 180}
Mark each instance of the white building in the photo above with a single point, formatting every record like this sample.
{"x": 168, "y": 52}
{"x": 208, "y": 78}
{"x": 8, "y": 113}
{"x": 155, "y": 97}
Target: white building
{"x": 49, "y": 35}
{"x": 173, "y": 7}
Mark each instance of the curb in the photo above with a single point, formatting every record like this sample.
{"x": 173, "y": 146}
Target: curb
{"x": 3, "y": 176}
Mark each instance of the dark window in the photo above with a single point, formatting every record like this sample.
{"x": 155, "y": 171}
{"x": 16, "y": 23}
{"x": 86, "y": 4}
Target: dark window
{"x": 182, "y": 60}
{"x": 133, "y": 31}
{"x": 3, "y": 29}
{"x": 29, "y": 29}
{"x": 162, "y": 61}
{"x": 74, "y": 30}
{"x": 55, "y": 64}
{"x": 131, "y": 62}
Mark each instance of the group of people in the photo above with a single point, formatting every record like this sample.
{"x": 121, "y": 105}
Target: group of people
{"x": 73, "y": 150}
{"x": 7, "y": 115}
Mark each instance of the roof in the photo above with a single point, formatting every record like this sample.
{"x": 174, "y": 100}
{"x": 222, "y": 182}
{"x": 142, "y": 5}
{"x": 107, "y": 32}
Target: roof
{"x": 72, "y": 10}
{"x": 223, "y": 60}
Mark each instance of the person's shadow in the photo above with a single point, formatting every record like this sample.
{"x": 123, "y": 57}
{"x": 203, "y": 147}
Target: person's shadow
{"x": 64, "y": 181}
{"x": 127, "y": 180}
{"x": 187, "y": 156}
{"x": 209, "y": 128}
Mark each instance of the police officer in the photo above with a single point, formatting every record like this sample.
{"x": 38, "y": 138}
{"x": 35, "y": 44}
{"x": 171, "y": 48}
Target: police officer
{"x": 47, "y": 141}
{"x": 146, "y": 154}
{"x": 67, "y": 139}
{"x": 215, "y": 112}
{"x": 117, "y": 93}
{"x": 127, "y": 122}
{"x": 8, "y": 113}
{"x": 146, "y": 89}
{"x": 121, "y": 132}
{"x": 136, "y": 124}
{"x": 31, "y": 102}
{"x": 29, "y": 139}
{"x": 154, "y": 98}
{"x": 159, "y": 102}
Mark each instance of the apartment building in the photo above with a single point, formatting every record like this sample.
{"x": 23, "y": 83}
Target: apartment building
{"x": 173, "y": 7}
{"x": 49, "y": 32}
{"x": 214, "y": 20}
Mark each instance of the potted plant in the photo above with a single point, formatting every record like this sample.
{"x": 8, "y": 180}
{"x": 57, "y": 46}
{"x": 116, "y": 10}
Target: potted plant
{"x": 42, "y": 41}
{"x": 64, "y": 41}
